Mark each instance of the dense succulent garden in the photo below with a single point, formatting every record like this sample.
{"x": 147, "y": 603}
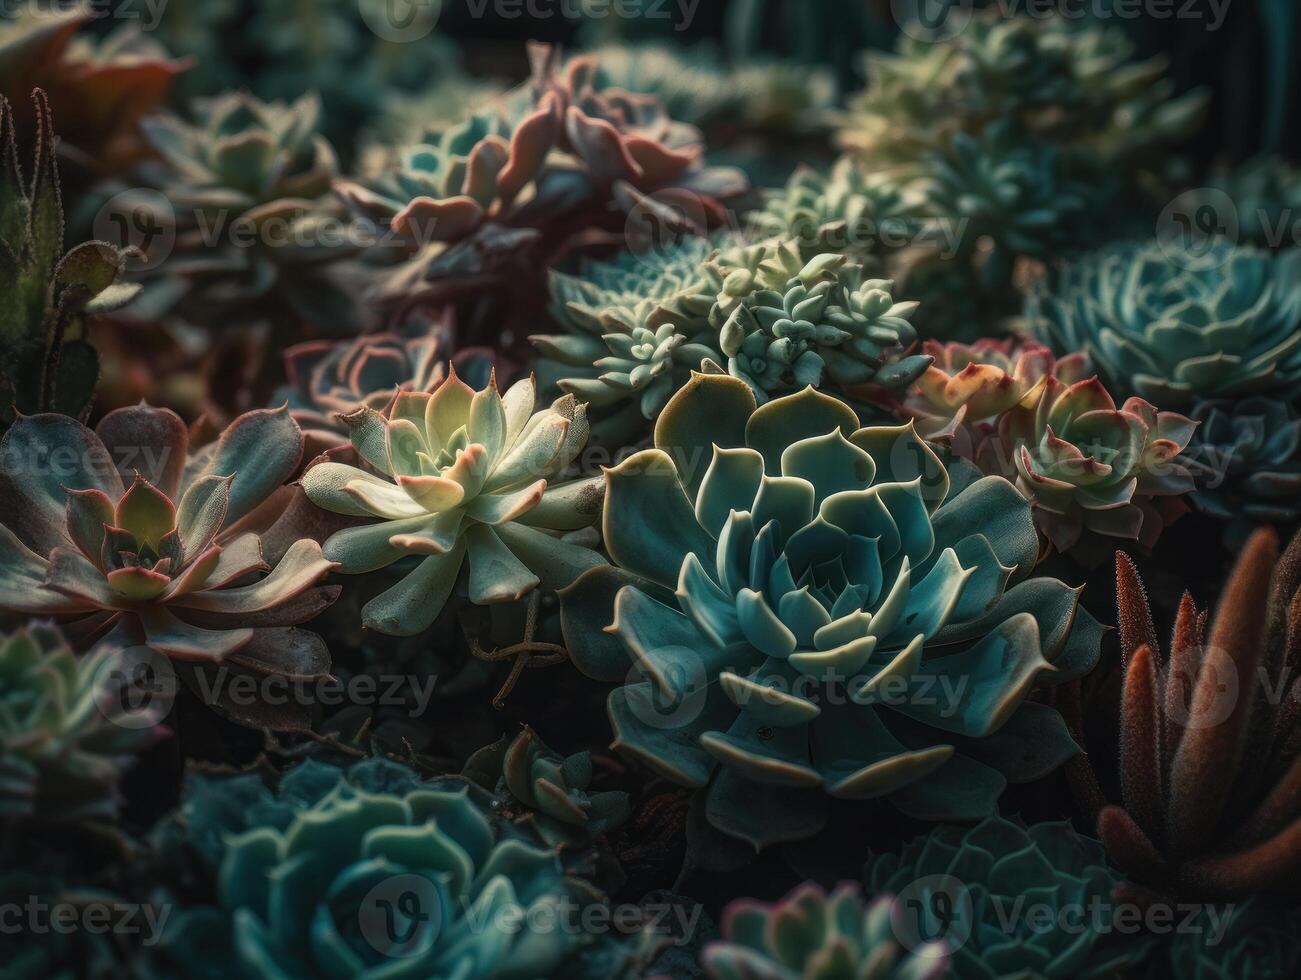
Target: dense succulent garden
{"x": 777, "y": 491}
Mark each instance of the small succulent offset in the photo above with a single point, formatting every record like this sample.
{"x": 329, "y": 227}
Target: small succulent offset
{"x": 1246, "y": 457}
{"x": 811, "y": 934}
{"x": 561, "y": 155}
{"x": 1176, "y": 323}
{"x": 982, "y": 880}
{"x": 93, "y": 538}
{"x": 462, "y": 475}
{"x": 62, "y": 748}
{"x": 788, "y": 581}
{"x": 636, "y": 327}
{"x": 1085, "y": 464}
{"x": 259, "y": 176}
{"x": 850, "y": 209}
{"x": 46, "y": 360}
{"x": 1246, "y": 939}
{"x": 783, "y": 322}
{"x": 369, "y": 871}
{"x": 552, "y": 790}
{"x": 1207, "y": 758}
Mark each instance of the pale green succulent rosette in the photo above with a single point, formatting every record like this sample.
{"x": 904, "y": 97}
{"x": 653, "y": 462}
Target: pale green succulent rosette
{"x": 1175, "y": 324}
{"x": 803, "y": 591}
{"x": 636, "y": 327}
{"x": 813, "y": 935}
{"x": 784, "y": 323}
{"x": 457, "y": 475}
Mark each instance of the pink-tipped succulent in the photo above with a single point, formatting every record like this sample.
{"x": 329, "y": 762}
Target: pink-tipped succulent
{"x": 1085, "y": 464}
{"x": 123, "y": 529}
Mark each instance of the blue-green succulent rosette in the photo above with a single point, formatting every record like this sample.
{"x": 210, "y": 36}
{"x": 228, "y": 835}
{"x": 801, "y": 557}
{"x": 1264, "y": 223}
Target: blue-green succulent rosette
{"x": 827, "y": 612}
{"x": 369, "y": 873}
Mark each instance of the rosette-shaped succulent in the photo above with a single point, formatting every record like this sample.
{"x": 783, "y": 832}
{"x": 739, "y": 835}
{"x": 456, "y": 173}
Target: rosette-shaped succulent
{"x": 101, "y": 88}
{"x": 811, "y": 934}
{"x": 62, "y": 749}
{"x": 1226, "y": 942}
{"x": 1175, "y": 324}
{"x": 827, "y": 613}
{"x": 1014, "y": 901}
{"x": 1246, "y": 459}
{"x": 370, "y": 872}
{"x": 1209, "y": 738}
{"x": 1083, "y": 463}
{"x": 329, "y": 379}
{"x": 461, "y": 475}
{"x": 637, "y": 326}
{"x": 256, "y": 176}
{"x": 125, "y": 529}
{"x": 46, "y": 297}
{"x": 783, "y": 322}
{"x": 562, "y": 155}
{"x": 1265, "y": 195}
{"x": 551, "y": 790}
{"x": 849, "y": 209}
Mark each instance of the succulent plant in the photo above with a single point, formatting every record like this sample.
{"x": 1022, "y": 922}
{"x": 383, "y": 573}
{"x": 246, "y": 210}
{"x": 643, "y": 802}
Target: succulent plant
{"x": 62, "y": 749}
{"x": 1083, "y": 463}
{"x": 811, "y": 934}
{"x": 1175, "y": 323}
{"x": 849, "y": 209}
{"x": 310, "y": 881}
{"x": 782, "y": 322}
{"x": 100, "y": 88}
{"x": 1246, "y": 458}
{"x": 463, "y": 474}
{"x": 791, "y": 585}
{"x": 552, "y": 790}
{"x": 93, "y": 538}
{"x": 559, "y": 156}
{"x": 1247, "y": 939}
{"x": 1208, "y": 750}
{"x": 257, "y": 177}
{"x": 46, "y": 360}
{"x": 1265, "y": 194}
{"x": 636, "y": 327}
{"x": 329, "y": 379}
{"x": 983, "y": 890}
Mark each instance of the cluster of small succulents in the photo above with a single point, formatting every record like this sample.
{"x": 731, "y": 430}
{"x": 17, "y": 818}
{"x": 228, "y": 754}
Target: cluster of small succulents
{"x": 535, "y": 497}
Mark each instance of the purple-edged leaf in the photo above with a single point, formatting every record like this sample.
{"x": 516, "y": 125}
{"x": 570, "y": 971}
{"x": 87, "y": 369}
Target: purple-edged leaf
{"x": 88, "y": 511}
{"x": 261, "y": 450}
{"x": 137, "y": 584}
{"x": 301, "y": 568}
{"x": 202, "y": 513}
{"x": 146, "y": 512}
{"x": 176, "y": 638}
{"x": 22, "y": 582}
{"x": 72, "y": 575}
{"x": 293, "y": 653}
{"x": 302, "y": 608}
{"x": 153, "y": 442}
{"x": 40, "y": 456}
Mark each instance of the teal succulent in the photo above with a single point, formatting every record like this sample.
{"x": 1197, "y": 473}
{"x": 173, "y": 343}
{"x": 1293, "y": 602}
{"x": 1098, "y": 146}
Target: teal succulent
{"x": 784, "y": 323}
{"x": 636, "y": 327}
{"x": 63, "y": 747}
{"x": 810, "y": 935}
{"x": 258, "y": 176}
{"x": 454, "y": 475}
{"x": 1247, "y": 464}
{"x": 1249, "y": 939}
{"x": 849, "y": 209}
{"x": 307, "y": 880}
{"x": 1014, "y": 901}
{"x": 551, "y": 790}
{"x": 1266, "y": 196}
{"x": 1175, "y": 324}
{"x": 799, "y": 591}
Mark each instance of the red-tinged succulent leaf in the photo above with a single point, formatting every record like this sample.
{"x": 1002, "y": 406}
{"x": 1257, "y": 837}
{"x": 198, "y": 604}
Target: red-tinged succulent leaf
{"x": 599, "y": 144}
{"x": 1133, "y": 615}
{"x": 426, "y": 220}
{"x": 22, "y": 582}
{"x": 293, "y": 653}
{"x": 1280, "y": 808}
{"x": 153, "y": 442}
{"x": 1185, "y": 663}
{"x": 529, "y": 145}
{"x": 1140, "y": 743}
{"x": 1200, "y": 776}
{"x": 137, "y": 584}
{"x": 302, "y": 566}
{"x": 146, "y": 513}
{"x": 175, "y": 638}
{"x": 1270, "y": 867}
{"x": 70, "y": 574}
{"x": 1131, "y": 850}
{"x": 214, "y": 686}
{"x": 657, "y": 162}
{"x": 88, "y": 511}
